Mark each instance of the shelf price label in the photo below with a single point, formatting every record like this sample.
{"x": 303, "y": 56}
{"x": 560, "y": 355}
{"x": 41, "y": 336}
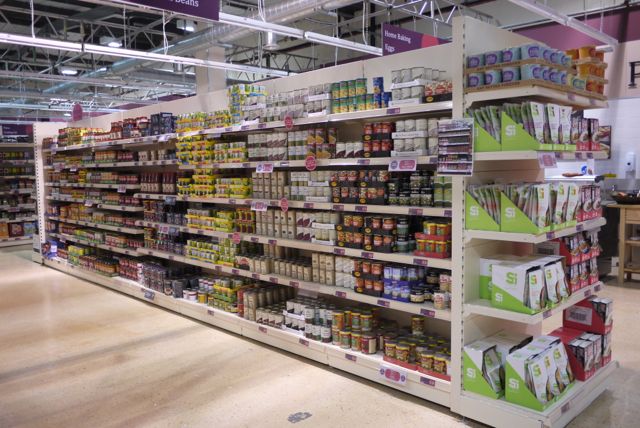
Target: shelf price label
{"x": 364, "y": 162}
{"x": 427, "y": 381}
{"x": 303, "y": 342}
{"x": 122, "y": 188}
{"x": 403, "y": 165}
{"x": 264, "y": 168}
{"x": 394, "y": 110}
{"x": 255, "y": 275}
{"x": 210, "y": 312}
{"x": 236, "y": 238}
{"x": 366, "y": 255}
{"x": 428, "y": 313}
{"x": 579, "y": 227}
{"x": 260, "y": 206}
{"x": 170, "y": 200}
{"x": 415, "y": 211}
{"x": 337, "y": 207}
{"x": 393, "y": 374}
{"x": 597, "y": 287}
{"x": 587, "y": 292}
{"x": 547, "y": 160}
{"x": 273, "y": 279}
{"x": 308, "y": 205}
{"x": 351, "y": 357}
{"x": 546, "y": 314}
{"x": 361, "y": 208}
{"x": 294, "y": 284}
{"x": 420, "y": 262}
{"x": 339, "y": 251}
{"x": 341, "y": 294}
{"x": 149, "y": 295}
{"x": 384, "y": 303}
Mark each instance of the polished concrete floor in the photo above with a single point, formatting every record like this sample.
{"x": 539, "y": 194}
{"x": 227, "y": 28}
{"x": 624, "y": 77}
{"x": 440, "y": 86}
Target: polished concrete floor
{"x": 73, "y": 354}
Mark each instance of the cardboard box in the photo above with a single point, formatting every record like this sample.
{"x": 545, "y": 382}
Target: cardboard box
{"x": 481, "y": 369}
{"x": 581, "y": 353}
{"x": 485, "y": 272}
{"x": 593, "y": 315}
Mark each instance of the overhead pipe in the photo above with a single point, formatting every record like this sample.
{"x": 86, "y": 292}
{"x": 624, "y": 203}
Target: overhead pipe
{"x": 284, "y": 12}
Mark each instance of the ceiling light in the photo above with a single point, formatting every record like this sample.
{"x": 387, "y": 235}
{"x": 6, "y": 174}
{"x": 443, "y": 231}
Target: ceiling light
{"x": 150, "y": 56}
{"x": 67, "y": 115}
{"x": 15, "y": 39}
{"x": 68, "y": 71}
{"x": 110, "y": 41}
{"x": 186, "y": 25}
{"x": 241, "y": 21}
{"x": 102, "y": 69}
{"x": 341, "y": 43}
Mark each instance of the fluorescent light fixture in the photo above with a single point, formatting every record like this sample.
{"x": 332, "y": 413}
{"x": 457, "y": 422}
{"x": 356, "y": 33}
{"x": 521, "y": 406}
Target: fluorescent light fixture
{"x": 591, "y": 32}
{"x": 14, "y": 39}
{"x": 110, "y": 41}
{"x": 102, "y": 69}
{"x": 68, "y": 71}
{"x": 272, "y": 42}
{"x": 341, "y": 43}
{"x": 552, "y": 14}
{"x": 67, "y": 115}
{"x": 150, "y": 56}
{"x": 186, "y": 25}
{"x": 255, "y": 24}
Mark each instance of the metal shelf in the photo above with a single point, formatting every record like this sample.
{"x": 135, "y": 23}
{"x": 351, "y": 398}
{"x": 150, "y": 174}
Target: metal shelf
{"x": 534, "y": 239}
{"x": 16, "y": 192}
{"x": 12, "y": 177}
{"x": 274, "y": 203}
{"x": 112, "y": 164}
{"x": 18, "y": 240}
{"x": 533, "y": 155}
{"x": 534, "y": 91}
{"x": 123, "y": 229}
{"x": 17, "y": 208}
{"x": 97, "y": 204}
{"x": 484, "y": 308}
{"x": 503, "y": 414}
{"x": 422, "y": 160}
{"x": 18, "y": 220}
{"x": 95, "y": 185}
{"x": 63, "y": 238}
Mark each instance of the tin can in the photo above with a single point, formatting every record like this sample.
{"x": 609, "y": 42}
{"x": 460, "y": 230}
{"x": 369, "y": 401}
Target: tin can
{"x": 361, "y": 87}
{"x": 368, "y": 344}
{"x": 361, "y": 102}
{"x": 426, "y": 360}
{"x": 335, "y": 90}
{"x": 366, "y": 322}
{"x": 344, "y": 89}
{"x": 345, "y": 339}
{"x": 402, "y": 352}
{"x": 338, "y": 320}
{"x": 351, "y": 88}
{"x": 355, "y": 341}
{"x": 378, "y": 85}
{"x": 390, "y": 348}
{"x": 417, "y": 325}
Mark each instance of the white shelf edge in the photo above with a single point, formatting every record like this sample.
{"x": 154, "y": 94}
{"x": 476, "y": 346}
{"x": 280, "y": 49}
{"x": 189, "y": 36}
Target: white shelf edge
{"x": 21, "y": 220}
{"x": 484, "y": 308}
{"x": 127, "y": 251}
{"x": 534, "y": 91}
{"x": 534, "y": 239}
{"x": 94, "y": 185}
{"x": 122, "y": 229}
{"x": 422, "y": 160}
{"x": 501, "y": 413}
{"x": 274, "y": 203}
{"x": 115, "y": 164}
{"x": 533, "y": 155}
{"x": 18, "y": 240}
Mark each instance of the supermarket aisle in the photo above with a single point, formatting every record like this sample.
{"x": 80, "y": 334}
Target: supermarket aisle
{"x": 76, "y": 354}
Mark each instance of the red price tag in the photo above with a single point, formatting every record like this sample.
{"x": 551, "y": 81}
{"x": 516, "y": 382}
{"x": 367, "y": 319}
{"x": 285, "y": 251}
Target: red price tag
{"x": 236, "y": 238}
{"x": 393, "y": 374}
{"x": 284, "y": 204}
{"x": 288, "y": 122}
{"x": 310, "y": 163}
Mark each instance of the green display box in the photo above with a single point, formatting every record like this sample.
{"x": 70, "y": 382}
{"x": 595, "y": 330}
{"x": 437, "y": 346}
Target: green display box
{"x": 514, "y": 220}
{"x": 473, "y": 379}
{"x": 515, "y": 138}
{"x": 476, "y": 217}
{"x": 516, "y": 391}
{"x": 484, "y": 142}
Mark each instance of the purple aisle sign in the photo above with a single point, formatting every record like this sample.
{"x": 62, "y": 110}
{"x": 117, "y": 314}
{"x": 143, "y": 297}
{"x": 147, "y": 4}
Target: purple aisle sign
{"x": 15, "y": 129}
{"x": 207, "y": 9}
{"x": 396, "y": 40}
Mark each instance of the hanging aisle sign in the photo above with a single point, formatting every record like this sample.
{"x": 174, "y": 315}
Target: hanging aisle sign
{"x": 396, "y": 40}
{"x": 207, "y": 9}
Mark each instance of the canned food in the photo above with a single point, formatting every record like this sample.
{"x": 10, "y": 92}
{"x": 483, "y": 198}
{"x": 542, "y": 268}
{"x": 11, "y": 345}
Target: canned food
{"x": 368, "y": 344}
{"x": 345, "y": 339}
{"x": 402, "y": 352}
{"x": 355, "y": 341}
{"x": 390, "y": 348}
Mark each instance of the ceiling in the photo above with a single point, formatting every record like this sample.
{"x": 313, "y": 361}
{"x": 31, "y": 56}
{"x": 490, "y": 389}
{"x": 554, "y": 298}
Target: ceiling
{"x": 33, "y": 87}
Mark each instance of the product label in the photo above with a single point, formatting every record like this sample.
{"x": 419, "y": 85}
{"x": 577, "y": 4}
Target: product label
{"x": 547, "y": 160}
{"x": 288, "y": 122}
{"x": 393, "y": 374}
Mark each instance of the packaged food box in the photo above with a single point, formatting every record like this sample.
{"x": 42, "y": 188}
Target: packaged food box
{"x": 481, "y": 368}
{"x": 594, "y": 315}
